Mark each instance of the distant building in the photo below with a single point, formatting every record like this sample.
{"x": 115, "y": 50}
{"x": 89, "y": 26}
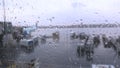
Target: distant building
{"x": 1, "y": 27}
{"x": 8, "y": 27}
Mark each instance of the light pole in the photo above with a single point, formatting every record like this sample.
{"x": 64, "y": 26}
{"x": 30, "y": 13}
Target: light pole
{"x": 4, "y": 16}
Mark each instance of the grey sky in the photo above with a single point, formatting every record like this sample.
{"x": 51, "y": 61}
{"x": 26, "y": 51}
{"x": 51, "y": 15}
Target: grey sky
{"x": 60, "y": 12}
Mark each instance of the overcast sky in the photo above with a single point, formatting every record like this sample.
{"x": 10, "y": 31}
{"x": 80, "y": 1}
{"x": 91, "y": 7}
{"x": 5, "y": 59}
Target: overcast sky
{"x": 61, "y": 12}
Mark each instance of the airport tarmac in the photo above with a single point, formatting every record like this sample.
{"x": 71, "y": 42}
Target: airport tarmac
{"x": 62, "y": 53}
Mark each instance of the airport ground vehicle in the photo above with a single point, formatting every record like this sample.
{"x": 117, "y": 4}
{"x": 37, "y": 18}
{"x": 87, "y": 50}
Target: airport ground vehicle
{"x": 29, "y": 42}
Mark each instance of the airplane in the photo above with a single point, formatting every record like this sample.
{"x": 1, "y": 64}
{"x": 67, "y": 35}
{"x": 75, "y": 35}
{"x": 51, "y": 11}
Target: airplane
{"x": 30, "y": 29}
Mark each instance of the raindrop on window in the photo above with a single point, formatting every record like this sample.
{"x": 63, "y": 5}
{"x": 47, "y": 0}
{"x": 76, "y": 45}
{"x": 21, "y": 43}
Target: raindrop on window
{"x": 20, "y": 7}
{"x": 16, "y": 4}
{"x": 50, "y": 20}
{"x": 38, "y": 17}
{"x": 27, "y": 3}
{"x": 53, "y": 17}
{"x": 32, "y": 7}
{"x": 19, "y": 22}
{"x": 15, "y": 17}
{"x": 94, "y": 21}
{"x": 77, "y": 21}
{"x": 106, "y": 20}
{"x": 96, "y": 13}
{"x": 81, "y": 19}
{"x": 118, "y": 12}
{"x": 8, "y": 8}
{"x": 37, "y": 21}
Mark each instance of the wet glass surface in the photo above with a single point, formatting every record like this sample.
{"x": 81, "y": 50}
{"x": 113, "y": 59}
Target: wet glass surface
{"x": 59, "y": 33}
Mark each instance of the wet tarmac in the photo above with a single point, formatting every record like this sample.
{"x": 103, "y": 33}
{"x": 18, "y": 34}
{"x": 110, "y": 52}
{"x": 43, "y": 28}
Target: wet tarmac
{"x": 62, "y": 53}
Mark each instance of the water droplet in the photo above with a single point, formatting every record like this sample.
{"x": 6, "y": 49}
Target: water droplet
{"x": 70, "y": 59}
{"x": 37, "y": 21}
{"x": 15, "y": 17}
{"x": 96, "y": 13}
{"x": 106, "y": 20}
{"x": 81, "y": 19}
{"x": 50, "y": 20}
{"x": 53, "y": 17}
{"x": 77, "y": 21}
{"x": 19, "y": 22}
{"x": 32, "y": 7}
{"x": 94, "y": 21}
{"x": 38, "y": 17}
{"x": 20, "y": 7}
{"x": 16, "y": 4}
